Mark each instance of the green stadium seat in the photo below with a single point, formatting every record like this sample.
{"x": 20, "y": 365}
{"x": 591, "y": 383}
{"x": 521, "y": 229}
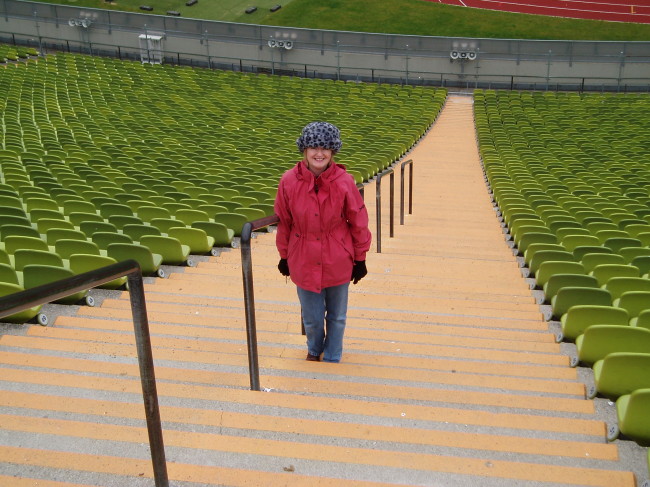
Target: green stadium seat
{"x": 13, "y": 243}
{"x": 591, "y": 260}
{"x": 634, "y": 302}
{"x": 621, "y": 373}
{"x": 92, "y": 227}
{"x": 633, "y": 418}
{"x": 24, "y": 316}
{"x": 149, "y": 262}
{"x": 147, "y": 213}
{"x": 598, "y": 341}
{"x": 8, "y": 274}
{"x": 80, "y": 263}
{"x": 558, "y": 281}
{"x": 605, "y": 272}
{"x": 568, "y": 297}
{"x": 171, "y": 249}
{"x": 68, "y": 247}
{"x": 234, "y": 221}
{"x": 37, "y": 274}
{"x": 55, "y": 234}
{"x": 547, "y": 256}
{"x": 198, "y": 240}
{"x": 578, "y": 318}
{"x": 223, "y": 236}
{"x": 23, "y": 257}
{"x": 18, "y": 230}
{"x": 618, "y": 243}
{"x": 550, "y": 268}
{"x": 617, "y": 286}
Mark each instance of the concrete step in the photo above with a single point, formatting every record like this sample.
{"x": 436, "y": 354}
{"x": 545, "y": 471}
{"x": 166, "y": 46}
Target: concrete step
{"x": 450, "y": 374}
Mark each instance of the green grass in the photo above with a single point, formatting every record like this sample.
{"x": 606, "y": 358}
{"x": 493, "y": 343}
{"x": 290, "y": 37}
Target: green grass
{"x": 414, "y": 17}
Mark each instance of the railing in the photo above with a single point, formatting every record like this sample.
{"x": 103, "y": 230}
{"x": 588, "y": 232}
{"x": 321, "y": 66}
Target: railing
{"x": 46, "y": 293}
{"x": 404, "y": 164}
{"x": 249, "y": 300}
{"x": 247, "y": 263}
{"x": 390, "y": 172}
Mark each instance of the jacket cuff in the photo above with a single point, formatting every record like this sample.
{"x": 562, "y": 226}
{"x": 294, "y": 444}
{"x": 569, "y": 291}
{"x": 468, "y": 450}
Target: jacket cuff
{"x": 360, "y": 256}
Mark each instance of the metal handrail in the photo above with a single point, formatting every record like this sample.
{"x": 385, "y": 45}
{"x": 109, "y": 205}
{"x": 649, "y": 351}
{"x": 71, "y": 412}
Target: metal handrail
{"x": 249, "y": 299}
{"x": 403, "y": 165}
{"x": 378, "y": 203}
{"x": 52, "y": 291}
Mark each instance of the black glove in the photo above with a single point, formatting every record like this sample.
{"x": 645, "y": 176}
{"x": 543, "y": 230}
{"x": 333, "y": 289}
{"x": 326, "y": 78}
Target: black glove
{"x": 359, "y": 271}
{"x": 283, "y": 267}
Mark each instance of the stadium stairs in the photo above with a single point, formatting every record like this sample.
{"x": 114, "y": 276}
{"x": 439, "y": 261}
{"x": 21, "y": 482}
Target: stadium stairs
{"x": 450, "y": 375}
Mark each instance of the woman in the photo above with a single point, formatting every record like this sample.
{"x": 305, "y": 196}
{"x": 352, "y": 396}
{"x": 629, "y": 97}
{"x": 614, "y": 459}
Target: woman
{"x": 322, "y": 237}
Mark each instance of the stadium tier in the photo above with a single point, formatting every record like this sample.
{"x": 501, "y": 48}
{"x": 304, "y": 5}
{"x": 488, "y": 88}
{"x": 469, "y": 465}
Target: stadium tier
{"x": 114, "y": 159}
{"x": 570, "y": 175}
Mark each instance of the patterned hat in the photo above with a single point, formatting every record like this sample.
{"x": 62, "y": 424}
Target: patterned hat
{"x": 320, "y": 134}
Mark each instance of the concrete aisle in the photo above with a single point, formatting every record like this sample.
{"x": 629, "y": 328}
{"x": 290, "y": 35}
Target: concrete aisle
{"x": 450, "y": 376}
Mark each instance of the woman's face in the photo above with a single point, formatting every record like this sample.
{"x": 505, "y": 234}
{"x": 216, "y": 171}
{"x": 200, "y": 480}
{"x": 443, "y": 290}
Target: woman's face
{"x": 318, "y": 159}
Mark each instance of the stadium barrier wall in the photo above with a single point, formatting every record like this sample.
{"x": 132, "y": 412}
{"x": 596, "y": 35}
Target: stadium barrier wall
{"x": 413, "y": 60}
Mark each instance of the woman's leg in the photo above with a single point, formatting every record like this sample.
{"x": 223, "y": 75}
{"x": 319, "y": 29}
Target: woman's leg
{"x": 336, "y": 305}
{"x": 313, "y": 317}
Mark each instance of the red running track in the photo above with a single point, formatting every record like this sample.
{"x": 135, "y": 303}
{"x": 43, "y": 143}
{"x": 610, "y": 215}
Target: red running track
{"x": 611, "y": 10}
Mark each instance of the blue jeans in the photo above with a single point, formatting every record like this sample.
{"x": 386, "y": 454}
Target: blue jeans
{"x": 323, "y": 315}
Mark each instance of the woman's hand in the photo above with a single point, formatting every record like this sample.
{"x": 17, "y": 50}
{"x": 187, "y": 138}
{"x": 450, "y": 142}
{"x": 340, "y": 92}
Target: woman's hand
{"x": 283, "y": 267}
{"x": 359, "y": 271}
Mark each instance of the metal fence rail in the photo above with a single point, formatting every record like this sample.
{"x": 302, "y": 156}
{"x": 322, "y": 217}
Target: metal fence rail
{"x": 46, "y": 293}
{"x": 407, "y": 59}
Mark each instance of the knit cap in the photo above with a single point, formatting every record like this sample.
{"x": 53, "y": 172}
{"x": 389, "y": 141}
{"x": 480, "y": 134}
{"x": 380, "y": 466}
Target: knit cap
{"x": 320, "y": 134}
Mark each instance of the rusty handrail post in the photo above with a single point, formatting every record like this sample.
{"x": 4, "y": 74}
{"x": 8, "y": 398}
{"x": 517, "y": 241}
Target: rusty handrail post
{"x": 408, "y": 163}
{"x": 20, "y": 301}
{"x": 378, "y": 204}
{"x": 249, "y": 298}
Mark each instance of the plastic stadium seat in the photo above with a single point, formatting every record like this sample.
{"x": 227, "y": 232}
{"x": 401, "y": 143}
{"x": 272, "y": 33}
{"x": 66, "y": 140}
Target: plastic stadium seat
{"x": 66, "y": 248}
{"x": 18, "y": 230}
{"x": 604, "y": 235}
{"x": 568, "y": 297}
{"x": 547, "y": 256}
{"x": 171, "y": 250}
{"x": 198, "y": 240}
{"x": 25, "y": 315}
{"x": 519, "y": 232}
{"x": 8, "y": 274}
{"x": 618, "y": 243}
{"x": 92, "y": 227}
{"x": 605, "y": 272}
{"x": 633, "y": 418}
{"x": 13, "y": 243}
{"x": 147, "y": 213}
{"x": 149, "y": 262}
{"x": 165, "y": 224}
{"x": 44, "y": 224}
{"x": 39, "y": 213}
{"x": 620, "y": 373}
{"x": 591, "y": 260}
{"x": 23, "y": 257}
{"x": 550, "y": 268}
{"x": 221, "y": 233}
{"x": 617, "y": 286}
{"x": 533, "y": 248}
{"x": 631, "y": 253}
{"x": 110, "y": 209}
{"x": 54, "y": 234}
{"x": 136, "y": 231}
{"x": 559, "y": 281}
{"x": 598, "y": 341}
{"x": 80, "y": 263}
{"x": 234, "y": 221}
{"x": 634, "y": 302}
{"x": 76, "y": 218}
{"x": 570, "y": 242}
{"x": 642, "y": 320}
{"x": 36, "y": 275}
{"x": 78, "y": 206}
{"x": 189, "y": 216}
{"x": 104, "y": 239}
{"x": 575, "y": 321}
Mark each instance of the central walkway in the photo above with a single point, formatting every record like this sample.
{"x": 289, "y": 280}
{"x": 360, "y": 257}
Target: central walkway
{"x": 450, "y": 377}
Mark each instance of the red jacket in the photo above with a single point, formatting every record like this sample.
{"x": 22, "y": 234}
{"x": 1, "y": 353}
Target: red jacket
{"x": 321, "y": 232}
